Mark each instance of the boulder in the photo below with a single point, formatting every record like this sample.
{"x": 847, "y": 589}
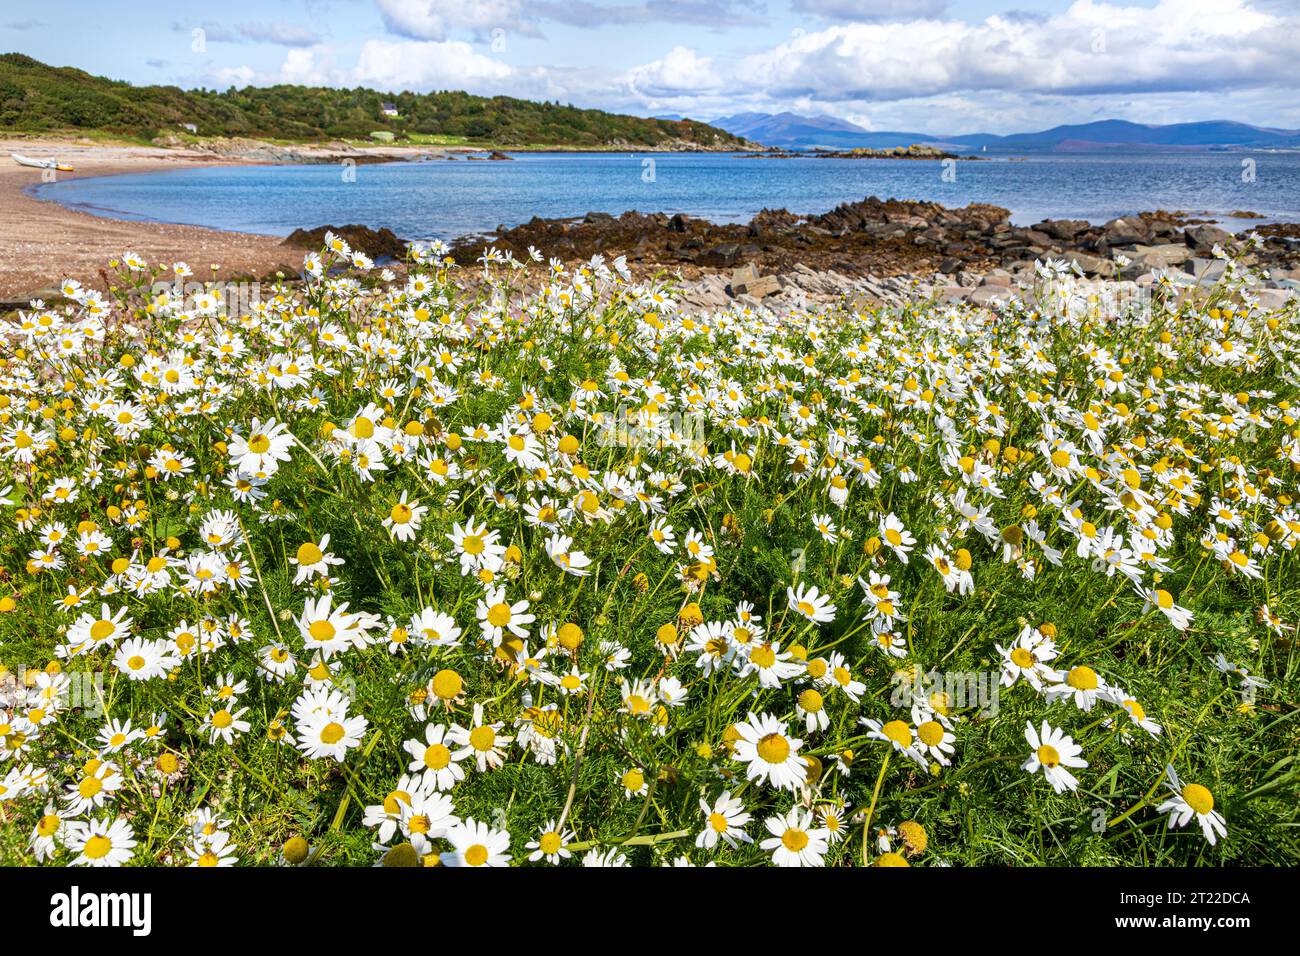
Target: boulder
{"x": 51, "y": 295}
{"x": 757, "y": 287}
{"x": 1124, "y": 232}
{"x": 1061, "y": 229}
{"x": 1091, "y": 265}
{"x": 1205, "y": 269}
{"x": 378, "y": 244}
{"x": 724, "y": 255}
{"x": 1146, "y": 258}
{"x": 991, "y": 295}
{"x": 1205, "y": 237}
{"x": 1273, "y": 298}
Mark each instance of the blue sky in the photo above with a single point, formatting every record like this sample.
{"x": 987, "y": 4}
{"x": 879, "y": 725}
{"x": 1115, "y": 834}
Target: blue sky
{"x": 923, "y": 65}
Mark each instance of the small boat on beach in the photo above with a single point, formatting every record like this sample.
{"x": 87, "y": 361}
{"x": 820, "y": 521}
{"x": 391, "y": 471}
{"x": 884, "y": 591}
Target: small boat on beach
{"x": 40, "y": 163}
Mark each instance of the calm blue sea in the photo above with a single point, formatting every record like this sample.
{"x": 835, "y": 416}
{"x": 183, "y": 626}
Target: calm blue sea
{"x": 446, "y": 199}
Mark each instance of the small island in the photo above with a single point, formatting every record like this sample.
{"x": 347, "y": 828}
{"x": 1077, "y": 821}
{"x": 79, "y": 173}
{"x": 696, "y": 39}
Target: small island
{"x": 915, "y": 151}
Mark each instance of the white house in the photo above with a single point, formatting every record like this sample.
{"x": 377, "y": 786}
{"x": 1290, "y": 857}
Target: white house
{"x": 389, "y": 109}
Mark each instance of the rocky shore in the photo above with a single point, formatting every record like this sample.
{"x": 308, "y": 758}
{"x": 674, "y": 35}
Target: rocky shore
{"x": 882, "y": 249}
{"x": 892, "y": 237}
{"x": 915, "y": 151}
{"x": 806, "y": 287}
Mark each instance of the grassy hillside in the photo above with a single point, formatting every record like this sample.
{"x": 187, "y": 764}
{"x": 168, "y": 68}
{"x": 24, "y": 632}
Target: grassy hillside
{"x": 35, "y": 97}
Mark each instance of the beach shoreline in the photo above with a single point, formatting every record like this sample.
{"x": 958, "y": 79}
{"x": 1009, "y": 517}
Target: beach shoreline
{"x": 45, "y": 241}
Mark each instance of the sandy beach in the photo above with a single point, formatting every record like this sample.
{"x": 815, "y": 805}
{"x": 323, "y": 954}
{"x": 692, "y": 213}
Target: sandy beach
{"x": 43, "y": 242}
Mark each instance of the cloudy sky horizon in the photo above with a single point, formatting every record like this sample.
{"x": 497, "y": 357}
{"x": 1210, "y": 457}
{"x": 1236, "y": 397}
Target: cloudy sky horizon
{"x": 931, "y": 66}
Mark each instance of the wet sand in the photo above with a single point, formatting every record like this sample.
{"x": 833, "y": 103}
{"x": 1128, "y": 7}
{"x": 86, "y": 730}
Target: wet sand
{"x": 43, "y": 242}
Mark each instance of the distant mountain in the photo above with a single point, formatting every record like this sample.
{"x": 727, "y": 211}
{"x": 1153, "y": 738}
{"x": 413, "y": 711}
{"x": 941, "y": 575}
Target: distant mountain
{"x": 807, "y": 132}
{"x": 791, "y": 129}
{"x": 1106, "y": 133}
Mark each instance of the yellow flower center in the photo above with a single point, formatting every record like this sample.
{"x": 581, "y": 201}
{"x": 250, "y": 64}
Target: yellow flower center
{"x": 1198, "y": 798}
{"x": 931, "y": 733}
{"x": 332, "y": 733}
{"x": 436, "y": 756}
{"x": 393, "y": 802}
{"x": 1023, "y": 657}
{"x": 309, "y": 554}
{"x": 811, "y": 701}
{"x": 898, "y": 732}
{"x": 774, "y": 748}
{"x": 1082, "y": 678}
{"x": 447, "y": 684}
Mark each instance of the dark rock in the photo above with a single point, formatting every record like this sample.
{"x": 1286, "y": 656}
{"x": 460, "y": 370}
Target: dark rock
{"x": 378, "y": 244}
{"x": 726, "y": 254}
{"x": 1205, "y": 237}
{"x": 1125, "y": 232}
{"x": 1063, "y": 229}
{"x": 51, "y": 295}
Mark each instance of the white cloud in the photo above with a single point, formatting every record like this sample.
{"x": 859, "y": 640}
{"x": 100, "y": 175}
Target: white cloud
{"x": 432, "y": 64}
{"x": 871, "y": 9}
{"x": 680, "y": 72}
{"x": 234, "y": 76}
{"x": 1090, "y": 48}
{"x": 303, "y": 67}
{"x": 280, "y": 33}
{"x": 1001, "y": 74}
{"x": 436, "y": 19}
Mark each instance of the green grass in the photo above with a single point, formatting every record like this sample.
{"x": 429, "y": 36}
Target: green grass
{"x": 982, "y": 810}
